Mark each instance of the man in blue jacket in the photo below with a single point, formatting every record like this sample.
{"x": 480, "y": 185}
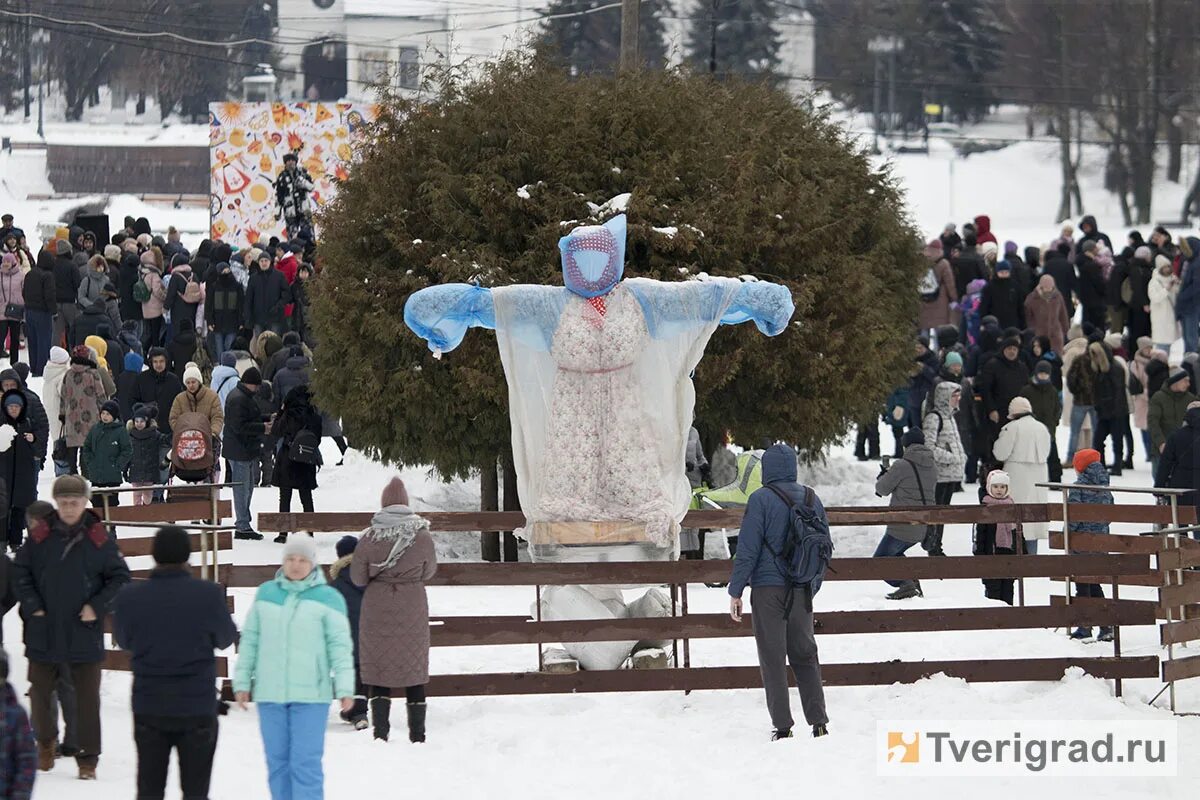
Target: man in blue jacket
{"x": 171, "y": 624}
{"x": 783, "y": 620}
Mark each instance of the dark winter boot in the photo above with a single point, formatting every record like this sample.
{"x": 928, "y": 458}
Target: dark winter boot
{"x": 820, "y": 730}
{"x": 932, "y": 544}
{"x": 381, "y": 712}
{"x": 416, "y": 722}
{"x": 777, "y": 735}
{"x": 1105, "y": 635}
{"x": 1081, "y": 633}
{"x": 907, "y": 591}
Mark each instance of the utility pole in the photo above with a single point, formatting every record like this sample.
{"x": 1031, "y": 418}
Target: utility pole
{"x": 629, "y": 35}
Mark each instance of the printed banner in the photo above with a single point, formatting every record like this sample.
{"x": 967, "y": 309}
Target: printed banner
{"x": 247, "y": 143}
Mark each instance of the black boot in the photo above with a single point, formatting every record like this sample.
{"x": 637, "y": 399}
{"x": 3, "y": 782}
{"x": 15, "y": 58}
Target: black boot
{"x": 381, "y": 711}
{"x": 416, "y": 722}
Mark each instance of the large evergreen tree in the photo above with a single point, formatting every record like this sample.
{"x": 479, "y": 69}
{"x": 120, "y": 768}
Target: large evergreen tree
{"x": 588, "y": 41}
{"x": 734, "y": 37}
{"x": 476, "y": 184}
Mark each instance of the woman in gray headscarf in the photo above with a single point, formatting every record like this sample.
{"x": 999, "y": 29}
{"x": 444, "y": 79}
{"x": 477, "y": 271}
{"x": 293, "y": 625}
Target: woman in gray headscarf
{"x": 394, "y": 558}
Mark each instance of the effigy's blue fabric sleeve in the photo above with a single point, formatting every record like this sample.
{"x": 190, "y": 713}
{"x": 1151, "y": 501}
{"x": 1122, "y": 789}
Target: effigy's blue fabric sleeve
{"x": 672, "y": 308}
{"x": 442, "y": 314}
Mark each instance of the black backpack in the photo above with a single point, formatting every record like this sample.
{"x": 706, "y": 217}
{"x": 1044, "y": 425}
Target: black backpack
{"x": 306, "y": 448}
{"x": 807, "y": 548}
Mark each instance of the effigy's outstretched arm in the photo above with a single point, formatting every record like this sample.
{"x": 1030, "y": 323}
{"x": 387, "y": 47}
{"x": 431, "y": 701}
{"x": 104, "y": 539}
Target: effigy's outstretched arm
{"x": 671, "y": 308}
{"x": 768, "y": 305}
{"x": 442, "y": 314}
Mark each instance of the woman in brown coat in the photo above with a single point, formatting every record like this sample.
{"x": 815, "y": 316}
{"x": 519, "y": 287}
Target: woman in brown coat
{"x": 394, "y": 558}
{"x": 935, "y": 307}
{"x": 1046, "y": 313}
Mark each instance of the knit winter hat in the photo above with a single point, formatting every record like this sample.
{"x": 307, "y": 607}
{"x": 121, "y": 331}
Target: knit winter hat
{"x": 70, "y": 486}
{"x": 1143, "y": 342}
{"x": 302, "y": 545}
{"x": 1089, "y": 246}
{"x": 345, "y": 545}
{"x": 62, "y": 247}
{"x": 1084, "y": 458}
{"x": 1178, "y": 374}
{"x": 1019, "y": 406}
{"x": 915, "y": 436}
{"x": 999, "y": 477}
{"x": 228, "y": 359}
{"x": 1143, "y": 253}
{"x": 112, "y": 253}
{"x": 113, "y": 408}
{"x": 144, "y": 411}
{"x": 1043, "y": 368}
{"x": 59, "y": 356}
{"x": 1010, "y": 341}
{"x": 1010, "y": 247}
{"x": 953, "y": 359}
{"x": 989, "y": 247}
{"x": 192, "y": 372}
{"x": 1114, "y": 340}
{"x": 933, "y": 249}
{"x": 9, "y": 259}
{"x": 13, "y": 399}
{"x": 394, "y": 494}
{"x": 172, "y": 546}
{"x": 252, "y": 377}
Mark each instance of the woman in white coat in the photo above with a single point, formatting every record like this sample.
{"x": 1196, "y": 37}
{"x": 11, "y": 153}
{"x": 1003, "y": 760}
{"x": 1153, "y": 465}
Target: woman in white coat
{"x": 1023, "y": 447}
{"x": 1163, "y": 289}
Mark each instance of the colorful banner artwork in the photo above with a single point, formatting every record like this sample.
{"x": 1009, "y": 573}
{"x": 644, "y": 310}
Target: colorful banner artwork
{"x": 247, "y": 143}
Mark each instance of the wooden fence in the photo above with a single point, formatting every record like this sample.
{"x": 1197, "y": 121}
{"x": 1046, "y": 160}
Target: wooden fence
{"x": 682, "y": 627}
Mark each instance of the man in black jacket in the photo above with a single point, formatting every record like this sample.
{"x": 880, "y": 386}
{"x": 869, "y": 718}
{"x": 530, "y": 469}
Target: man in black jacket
{"x": 1002, "y": 298}
{"x": 127, "y": 277}
{"x": 159, "y": 387}
{"x": 41, "y": 303}
{"x": 66, "y": 287}
{"x": 266, "y": 296}
{"x": 1091, "y": 289}
{"x": 242, "y": 444}
{"x": 999, "y": 381}
{"x": 67, "y": 575}
{"x": 223, "y": 303}
{"x": 171, "y": 624}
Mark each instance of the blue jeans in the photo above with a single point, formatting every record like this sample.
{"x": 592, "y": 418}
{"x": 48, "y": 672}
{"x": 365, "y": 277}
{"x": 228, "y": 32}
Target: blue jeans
{"x": 242, "y": 473}
{"x": 1078, "y": 412}
{"x": 293, "y": 737}
{"x": 39, "y": 328}
{"x": 221, "y": 342}
{"x": 891, "y": 547}
{"x": 1191, "y": 332}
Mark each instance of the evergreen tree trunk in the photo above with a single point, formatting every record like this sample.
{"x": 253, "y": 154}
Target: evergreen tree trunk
{"x": 489, "y": 500}
{"x": 512, "y": 502}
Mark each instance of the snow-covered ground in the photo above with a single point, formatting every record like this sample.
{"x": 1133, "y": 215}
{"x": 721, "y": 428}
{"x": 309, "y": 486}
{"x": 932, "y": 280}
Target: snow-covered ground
{"x": 667, "y": 745}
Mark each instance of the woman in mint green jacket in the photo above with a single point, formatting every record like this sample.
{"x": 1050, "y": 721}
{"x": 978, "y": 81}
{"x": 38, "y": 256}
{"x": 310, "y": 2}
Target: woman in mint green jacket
{"x": 295, "y": 657}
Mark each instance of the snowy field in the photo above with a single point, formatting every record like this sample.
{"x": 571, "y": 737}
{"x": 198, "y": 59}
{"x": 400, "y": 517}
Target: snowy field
{"x": 667, "y": 745}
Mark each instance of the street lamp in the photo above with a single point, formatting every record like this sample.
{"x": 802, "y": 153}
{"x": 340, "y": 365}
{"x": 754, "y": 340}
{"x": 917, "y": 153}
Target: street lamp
{"x": 881, "y": 46}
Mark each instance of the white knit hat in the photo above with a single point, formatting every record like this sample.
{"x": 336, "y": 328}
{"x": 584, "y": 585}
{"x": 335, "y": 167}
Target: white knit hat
{"x": 303, "y": 545}
{"x": 59, "y": 356}
{"x": 1019, "y": 405}
{"x": 998, "y": 477}
{"x": 192, "y": 372}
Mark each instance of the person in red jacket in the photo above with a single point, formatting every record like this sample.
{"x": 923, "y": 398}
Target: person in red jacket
{"x": 983, "y": 229}
{"x": 287, "y": 261}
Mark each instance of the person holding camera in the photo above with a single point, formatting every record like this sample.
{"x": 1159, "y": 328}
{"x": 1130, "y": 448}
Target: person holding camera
{"x": 910, "y": 481}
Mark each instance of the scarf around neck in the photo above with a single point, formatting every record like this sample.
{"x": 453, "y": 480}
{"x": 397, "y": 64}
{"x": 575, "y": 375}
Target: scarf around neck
{"x": 1006, "y": 532}
{"x": 399, "y": 525}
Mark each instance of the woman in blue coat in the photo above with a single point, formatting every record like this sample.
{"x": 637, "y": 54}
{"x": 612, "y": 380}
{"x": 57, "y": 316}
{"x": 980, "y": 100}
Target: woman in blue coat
{"x": 296, "y": 656}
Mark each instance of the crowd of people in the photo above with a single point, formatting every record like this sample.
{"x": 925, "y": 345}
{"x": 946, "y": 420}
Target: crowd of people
{"x": 356, "y": 637}
{"x": 156, "y": 362}
{"x": 1013, "y": 342}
